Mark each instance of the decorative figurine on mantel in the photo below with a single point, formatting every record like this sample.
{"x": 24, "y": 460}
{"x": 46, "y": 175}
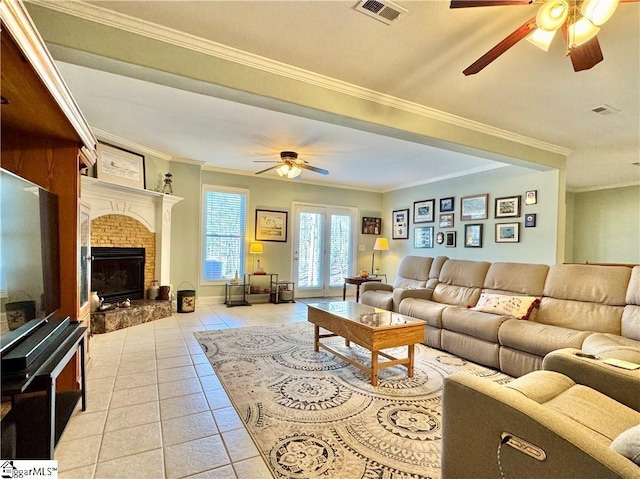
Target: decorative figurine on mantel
{"x": 167, "y": 189}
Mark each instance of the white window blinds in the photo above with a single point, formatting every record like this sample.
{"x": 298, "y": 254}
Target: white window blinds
{"x": 224, "y": 227}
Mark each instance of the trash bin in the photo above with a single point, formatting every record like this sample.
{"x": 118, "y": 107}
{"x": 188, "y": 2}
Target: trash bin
{"x": 19, "y": 312}
{"x": 186, "y": 299}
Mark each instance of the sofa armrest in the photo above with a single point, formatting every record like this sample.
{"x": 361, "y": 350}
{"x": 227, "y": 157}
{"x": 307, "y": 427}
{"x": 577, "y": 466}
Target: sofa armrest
{"x": 623, "y": 385}
{"x": 419, "y": 293}
{"x": 476, "y": 412}
{"x": 375, "y": 286}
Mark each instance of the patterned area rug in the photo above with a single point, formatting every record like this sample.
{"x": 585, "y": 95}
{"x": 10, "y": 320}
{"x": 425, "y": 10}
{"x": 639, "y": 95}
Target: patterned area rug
{"x": 313, "y": 415}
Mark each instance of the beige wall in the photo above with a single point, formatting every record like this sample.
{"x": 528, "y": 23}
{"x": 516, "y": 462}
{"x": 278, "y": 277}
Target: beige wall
{"x": 606, "y": 226}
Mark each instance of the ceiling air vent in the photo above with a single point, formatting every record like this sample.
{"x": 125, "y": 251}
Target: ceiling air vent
{"x": 384, "y": 11}
{"x": 605, "y": 110}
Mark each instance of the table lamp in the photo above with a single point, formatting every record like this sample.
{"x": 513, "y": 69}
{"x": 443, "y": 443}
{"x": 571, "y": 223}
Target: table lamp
{"x": 382, "y": 244}
{"x": 254, "y": 249}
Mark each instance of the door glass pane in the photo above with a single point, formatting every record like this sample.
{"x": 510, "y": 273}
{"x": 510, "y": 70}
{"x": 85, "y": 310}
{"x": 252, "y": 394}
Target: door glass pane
{"x": 340, "y": 251}
{"x": 310, "y": 252}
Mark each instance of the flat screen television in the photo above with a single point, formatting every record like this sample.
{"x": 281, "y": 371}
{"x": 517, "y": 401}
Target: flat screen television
{"x": 29, "y": 256}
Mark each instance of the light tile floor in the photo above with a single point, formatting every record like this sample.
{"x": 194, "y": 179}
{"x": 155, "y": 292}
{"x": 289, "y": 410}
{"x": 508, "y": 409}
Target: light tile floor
{"x": 155, "y": 408}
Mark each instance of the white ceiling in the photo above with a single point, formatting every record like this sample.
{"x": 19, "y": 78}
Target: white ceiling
{"x": 419, "y": 59}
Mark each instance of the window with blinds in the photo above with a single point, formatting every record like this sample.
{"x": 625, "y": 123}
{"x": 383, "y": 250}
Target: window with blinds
{"x": 224, "y": 228}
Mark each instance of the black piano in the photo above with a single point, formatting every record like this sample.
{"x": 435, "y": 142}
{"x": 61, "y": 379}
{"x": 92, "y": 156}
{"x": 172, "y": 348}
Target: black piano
{"x": 32, "y": 358}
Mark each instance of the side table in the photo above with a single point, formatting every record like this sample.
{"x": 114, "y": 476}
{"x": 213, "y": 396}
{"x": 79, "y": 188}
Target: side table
{"x": 241, "y": 296}
{"x": 357, "y": 280}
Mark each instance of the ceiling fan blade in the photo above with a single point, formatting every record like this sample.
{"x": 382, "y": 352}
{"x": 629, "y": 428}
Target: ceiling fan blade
{"x": 585, "y": 56}
{"x": 501, "y": 47}
{"x": 487, "y": 3}
{"x": 266, "y": 169}
{"x": 322, "y": 171}
{"x": 266, "y": 161}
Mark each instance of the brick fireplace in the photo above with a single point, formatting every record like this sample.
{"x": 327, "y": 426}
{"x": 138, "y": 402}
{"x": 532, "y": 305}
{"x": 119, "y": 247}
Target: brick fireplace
{"x": 120, "y": 231}
{"x": 124, "y": 216}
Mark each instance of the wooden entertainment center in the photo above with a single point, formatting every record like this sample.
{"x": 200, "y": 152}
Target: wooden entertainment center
{"x": 46, "y": 140}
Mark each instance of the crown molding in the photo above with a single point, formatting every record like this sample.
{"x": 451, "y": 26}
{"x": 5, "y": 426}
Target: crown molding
{"x": 137, "y": 26}
{"x": 130, "y": 145}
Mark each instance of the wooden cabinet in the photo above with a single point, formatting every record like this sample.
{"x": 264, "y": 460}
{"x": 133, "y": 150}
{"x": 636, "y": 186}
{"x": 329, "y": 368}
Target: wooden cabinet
{"x": 46, "y": 139}
{"x": 84, "y": 261}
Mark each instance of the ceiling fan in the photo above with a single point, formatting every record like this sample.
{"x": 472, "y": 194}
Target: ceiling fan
{"x": 579, "y": 20}
{"x": 290, "y": 166}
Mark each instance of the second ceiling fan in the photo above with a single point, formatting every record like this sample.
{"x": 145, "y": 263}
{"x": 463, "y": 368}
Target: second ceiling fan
{"x": 579, "y": 21}
{"x": 290, "y": 165}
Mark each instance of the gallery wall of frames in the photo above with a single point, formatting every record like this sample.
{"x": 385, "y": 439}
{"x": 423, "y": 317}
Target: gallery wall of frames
{"x": 433, "y": 220}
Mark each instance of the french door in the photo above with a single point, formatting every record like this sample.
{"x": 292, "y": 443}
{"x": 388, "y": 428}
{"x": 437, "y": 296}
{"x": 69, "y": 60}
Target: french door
{"x": 324, "y": 245}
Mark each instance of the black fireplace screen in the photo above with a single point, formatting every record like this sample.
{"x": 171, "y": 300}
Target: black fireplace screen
{"x": 117, "y": 273}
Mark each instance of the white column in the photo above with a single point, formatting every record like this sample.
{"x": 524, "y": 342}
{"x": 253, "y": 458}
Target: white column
{"x": 163, "y": 237}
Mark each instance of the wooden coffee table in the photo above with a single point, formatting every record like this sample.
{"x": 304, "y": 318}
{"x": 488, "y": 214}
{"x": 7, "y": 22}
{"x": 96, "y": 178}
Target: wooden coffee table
{"x": 372, "y": 328}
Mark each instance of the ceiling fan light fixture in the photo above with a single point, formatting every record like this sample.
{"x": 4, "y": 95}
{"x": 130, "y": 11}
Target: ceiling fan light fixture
{"x": 541, "y": 38}
{"x": 599, "y": 11}
{"x": 288, "y": 170}
{"x": 552, "y": 15}
{"x": 581, "y": 32}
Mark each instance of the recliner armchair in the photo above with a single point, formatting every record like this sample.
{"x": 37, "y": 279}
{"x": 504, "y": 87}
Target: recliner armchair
{"x": 416, "y": 276}
{"x": 543, "y": 424}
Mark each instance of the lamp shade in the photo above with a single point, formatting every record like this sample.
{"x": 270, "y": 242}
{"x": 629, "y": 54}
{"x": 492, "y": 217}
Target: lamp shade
{"x": 255, "y": 248}
{"x": 290, "y": 171}
{"x": 581, "y": 32}
{"x": 541, "y": 38}
{"x": 382, "y": 244}
{"x": 552, "y": 15}
{"x": 599, "y": 11}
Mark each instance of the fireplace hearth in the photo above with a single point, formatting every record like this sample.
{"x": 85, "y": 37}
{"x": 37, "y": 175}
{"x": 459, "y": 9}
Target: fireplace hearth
{"x": 117, "y": 273}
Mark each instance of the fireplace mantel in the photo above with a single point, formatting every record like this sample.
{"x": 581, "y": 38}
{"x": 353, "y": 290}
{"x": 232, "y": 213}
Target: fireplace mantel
{"x": 150, "y": 208}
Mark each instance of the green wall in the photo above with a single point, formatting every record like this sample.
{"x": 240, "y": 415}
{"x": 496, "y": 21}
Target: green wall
{"x": 537, "y": 245}
{"x": 601, "y": 226}
{"x": 264, "y": 193}
{"x": 606, "y": 226}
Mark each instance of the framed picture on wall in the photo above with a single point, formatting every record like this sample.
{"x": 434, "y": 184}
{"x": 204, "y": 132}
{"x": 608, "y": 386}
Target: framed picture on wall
{"x": 507, "y": 232}
{"x": 446, "y": 220}
{"x": 423, "y": 237}
{"x": 530, "y": 220}
{"x": 423, "y": 211}
{"x": 271, "y": 225}
{"x": 531, "y": 197}
{"x": 446, "y": 204}
{"x": 400, "y": 221}
{"x": 507, "y": 207}
{"x": 450, "y": 239}
{"x": 473, "y": 236}
{"x": 371, "y": 226}
{"x": 122, "y": 167}
{"x": 474, "y": 207}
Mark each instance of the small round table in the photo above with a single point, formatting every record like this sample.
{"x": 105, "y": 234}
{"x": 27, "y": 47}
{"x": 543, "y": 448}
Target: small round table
{"x": 357, "y": 280}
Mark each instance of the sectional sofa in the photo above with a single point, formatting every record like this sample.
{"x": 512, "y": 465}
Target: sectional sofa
{"x": 509, "y": 316}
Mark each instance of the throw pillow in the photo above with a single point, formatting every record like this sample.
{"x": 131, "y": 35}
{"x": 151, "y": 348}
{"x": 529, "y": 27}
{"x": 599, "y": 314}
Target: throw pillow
{"x": 628, "y": 444}
{"x": 517, "y": 306}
